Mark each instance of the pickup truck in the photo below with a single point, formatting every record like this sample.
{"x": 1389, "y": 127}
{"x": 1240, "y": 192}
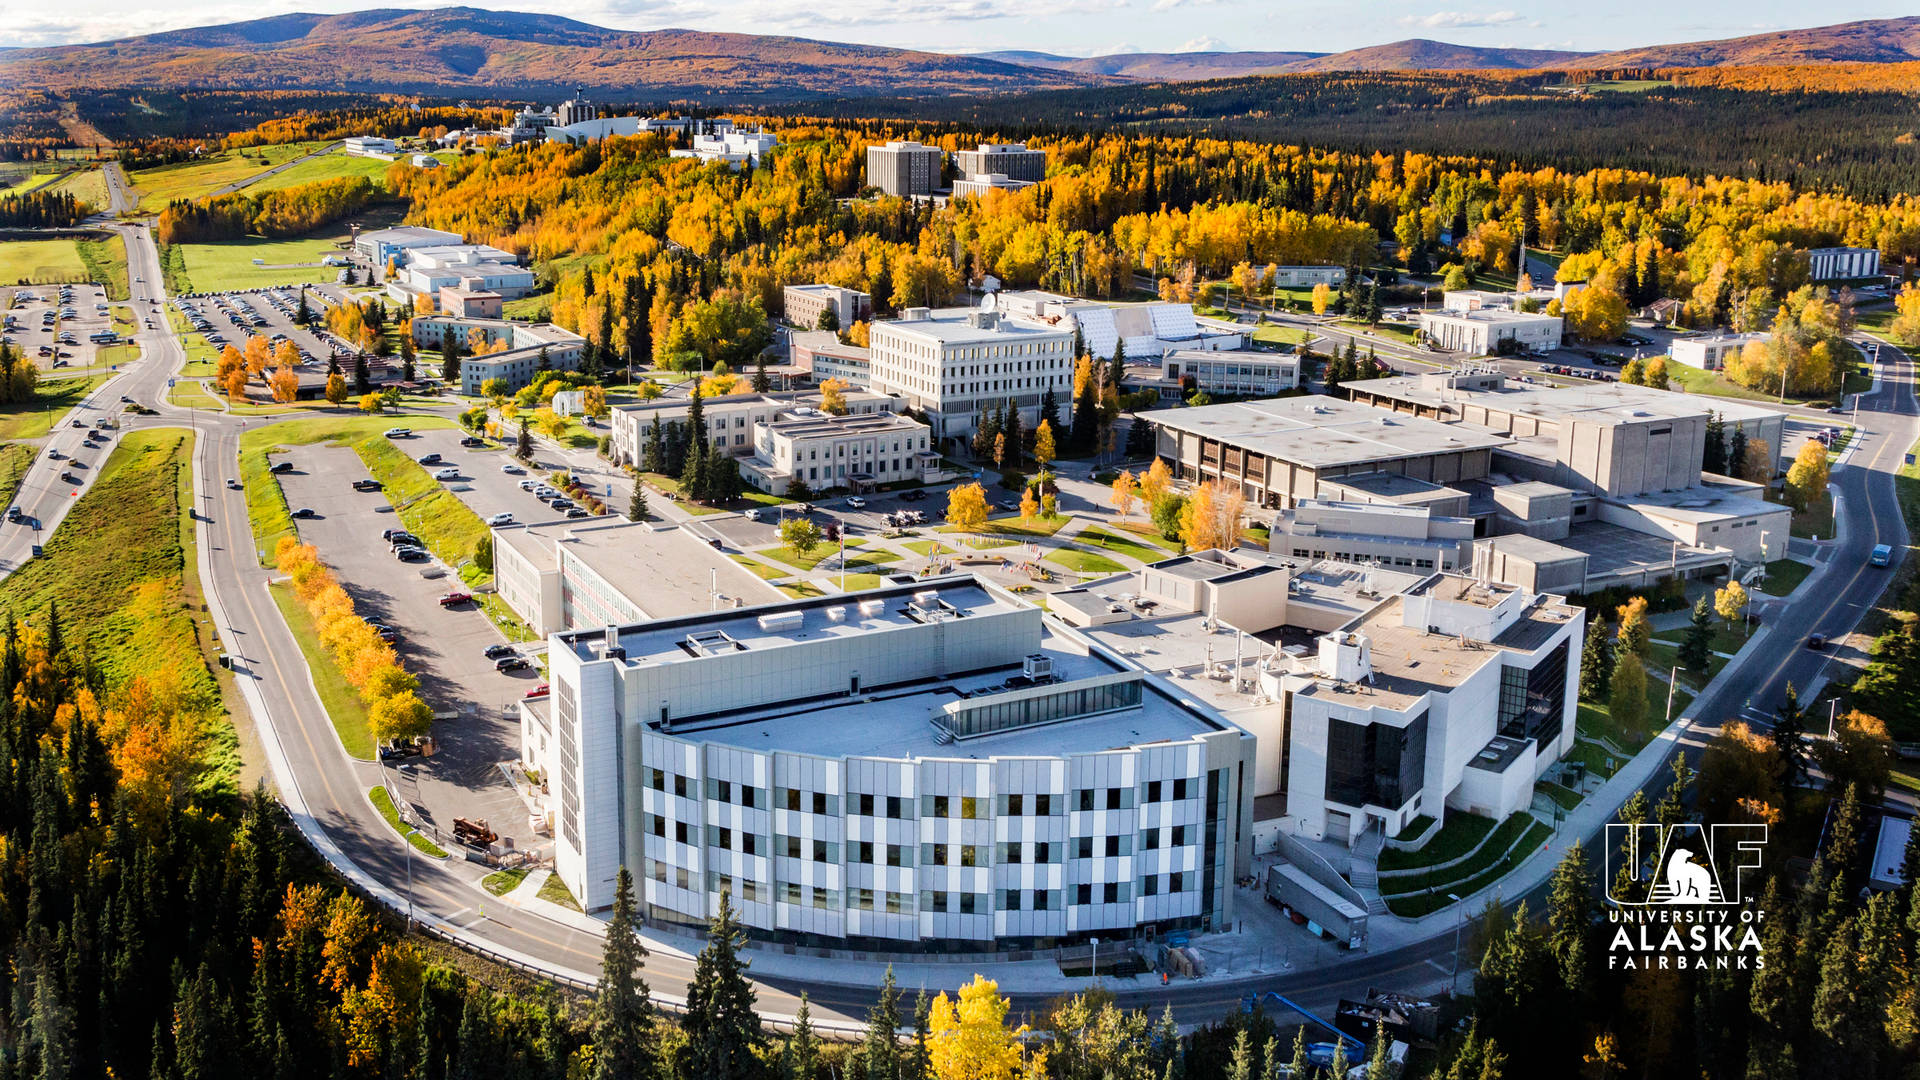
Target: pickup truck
{"x": 366, "y": 485}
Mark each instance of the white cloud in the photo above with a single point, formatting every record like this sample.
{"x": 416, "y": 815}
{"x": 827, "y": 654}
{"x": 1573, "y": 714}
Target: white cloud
{"x": 1461, "y": 20}
{"x": 1203, "y": 44}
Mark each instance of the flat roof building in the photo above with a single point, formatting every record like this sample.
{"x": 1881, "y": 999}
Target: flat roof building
{"x": 731, "y": 420}
{"x": 806, "y": 304}
{"x": 981, "y": 186}
{"x": 516, "y": 363}
{"x": 1843, "y": 263}
{"x": 1280, "y": 450}
{"x": 1711, "y": 353}
{"x": 1236, "y": 372}
{"x": 828, "y": 452}
{"x": 905, "y": 168}
{"x": 1306, "y": 277}
{"x": 934, "y": 766}
{"x": 379, "y": 245}
{"x": 1010, "y": 161}
{"x": 1483, "y": 331}
{"x": 954, "y": 363}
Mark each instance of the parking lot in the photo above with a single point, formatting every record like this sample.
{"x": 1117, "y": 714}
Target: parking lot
{"x": 482, "y": 486}
{"x": 445, "y": 647}
{"x": 52, "y": 324}
{"x": 743, "y": 532}
{"x": 231, "y": 318}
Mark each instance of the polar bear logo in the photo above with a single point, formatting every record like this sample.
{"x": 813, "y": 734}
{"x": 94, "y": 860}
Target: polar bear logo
{"x": 1686, "y": 881}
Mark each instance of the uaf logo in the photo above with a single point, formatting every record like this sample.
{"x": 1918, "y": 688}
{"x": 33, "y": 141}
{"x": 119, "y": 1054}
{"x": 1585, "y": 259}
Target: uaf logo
{"x": 1684, "y": 904}
{"x": 1686, "y": 864}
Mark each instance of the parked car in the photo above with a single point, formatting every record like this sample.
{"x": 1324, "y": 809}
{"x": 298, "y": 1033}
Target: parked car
{"x": 411, "y": 554}
{"x": 856, "y": 503}
{"x": 281, "y": 467}
{"x": 448, "y": 473}
{"x": 750, "y": 514}
{"x": 389, "y": 534}
{"x": 511, "y": 469}
{"x": 366, "y": 485}
{"x": 387, "y": 634}
{"x": 495, "y": 652}
{"x": 527, "y": 485}
{"x": 515, "y": 662}
{"x": 540, "y": 691}
{"x": 455, "y": 599}
{"x": 913, "y": 495}
{"x": 399, "y": 433}
{"x": 578, "y": 512}
{"x": 429, "y": 459}
{"x": 500, "y": 519}
{"x": 473, "y": 441}
{"x": 305, "y": 512}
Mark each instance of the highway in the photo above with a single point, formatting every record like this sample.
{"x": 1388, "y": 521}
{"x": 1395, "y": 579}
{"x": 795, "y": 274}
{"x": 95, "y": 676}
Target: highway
{"x": 317, "y": 777}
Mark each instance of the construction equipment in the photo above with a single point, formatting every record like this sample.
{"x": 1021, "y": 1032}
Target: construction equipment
{"x": 473, "y": 832}
{"x": 1320, "y": 1054}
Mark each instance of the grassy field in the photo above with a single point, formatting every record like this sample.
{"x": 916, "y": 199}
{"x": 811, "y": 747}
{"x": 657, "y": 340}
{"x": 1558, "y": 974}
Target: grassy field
{"x": 1817, "y": 519}
{"x": 193, "y": 179}
{"x": 501, "y": 882}
{"x": 1083, "y": 562}
{"x": 140, "y": 612}
{"x": 202, "y": 357}
{"x": 812, "y": 558}
{"x": 267, "y": 509}
{"x": 1396, "y": 331}
{"x": 37, "y": 261}
{"x": 1281, "y": 335}
{"x": 1455, "y": 838}
{"x": 332, "y": 166}
{"x": 229, "y": 265}
{"x": 1010, "y": 525}
{"x": 89, "y": 186}
{"x": 1133, "y": 548}
{"x": 759, "y": 569}
{"x": 15, "y": 459}
{"x": 383, "y": 802}
{"x": 52, "y": 398}
{"x": 1414, "y": 906}
{"x": 556, "y": 890}
{"x": 106, "y": 262}
{"x": 428, "y": 510}
{"x": 337, "y": 696}
{"x": 1784, "y": 576}
{"x": 192, "y": 394}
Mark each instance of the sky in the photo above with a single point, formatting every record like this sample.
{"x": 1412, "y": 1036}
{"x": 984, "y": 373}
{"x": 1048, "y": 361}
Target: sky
{"x": 1067, "y": 27}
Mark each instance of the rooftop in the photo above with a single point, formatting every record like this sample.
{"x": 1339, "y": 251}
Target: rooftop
{"x": 1593, "y": 402}
{"x": 665, "y": 571}
{"x": 410, "y": 232}
{"x": 1613, "y": 549}
{"x": 1317, "y": 431}
{"x": 1531, "y": 548}
{"x": 1392, "y": 487}
{"x": 1496, "y": 316}
{"x": 960, "y": 326}
{"x": 1409, "y": 662}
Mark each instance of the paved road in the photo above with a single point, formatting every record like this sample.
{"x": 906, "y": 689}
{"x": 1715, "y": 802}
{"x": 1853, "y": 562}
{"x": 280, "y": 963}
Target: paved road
{"x": 282, "y": 167}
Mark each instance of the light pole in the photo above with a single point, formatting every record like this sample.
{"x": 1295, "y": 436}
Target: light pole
{"x": 1673, "y": 680}
{"x": 406, "y": 767}
{"x": 1833, "y": 709}
{"x": 1453, "y": 981}
{"x": 1096, "y": 957}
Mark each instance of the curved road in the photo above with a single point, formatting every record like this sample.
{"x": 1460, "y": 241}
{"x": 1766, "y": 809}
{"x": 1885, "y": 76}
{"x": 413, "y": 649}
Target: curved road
{"x": 319, "y": 779}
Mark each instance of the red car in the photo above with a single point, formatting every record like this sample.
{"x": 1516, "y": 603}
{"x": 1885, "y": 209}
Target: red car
{"x": 539, "y": 691}
{"x": 454, "y": 599}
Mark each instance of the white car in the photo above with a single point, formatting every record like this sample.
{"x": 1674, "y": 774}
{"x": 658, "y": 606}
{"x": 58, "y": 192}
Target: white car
{"x": 500, "y": 519}
{"x": 399, "y": 433}
{"x": 751, "y": 515}
{"x": 448, "y": 473}
{"x": 856, "y": 503}
{"x": 511, "y": 469}
{"x": 526, "y": 485}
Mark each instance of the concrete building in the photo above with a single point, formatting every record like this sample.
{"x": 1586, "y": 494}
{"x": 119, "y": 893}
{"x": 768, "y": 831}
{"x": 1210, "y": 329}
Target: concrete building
{"x": 951, "y": 363}
{"x": 826, "y": 358}
{"x": 1375, "y": 697}
{"x": 424, "y": 161}
{"x": 1711, "y": 353}
{"x": 730, "y": 145}
{"x": 1410, "y": 538}
{"x": 855, "y": 452}
{"x": 1011, "y": 161}
{"x": 1843, "y": 263}
{"x": 981, "y": 186}
{"x": 905, "y": 168}
{"x": 1237, "y": 372}
{"x": 576, "y": 109}
{"x": 582, "y": 132}
{"x": 379, "y": 245}
{"x": 731, "y": 420}
{"x": 577, "y": 574}
{"x": 1306, "y": 277}
{"x": 369, "y": 146}
{"x": 934, "y": 765}
{"x": 1480, "y": 332}
{"x": 805, "y": 304}
{"x": 516, "y": 364}
{"x": 464, "y": 303}
{"x": 1280, "y": 450}
{"x": 474, "y": 267}
{"x": 1143, "y": 331}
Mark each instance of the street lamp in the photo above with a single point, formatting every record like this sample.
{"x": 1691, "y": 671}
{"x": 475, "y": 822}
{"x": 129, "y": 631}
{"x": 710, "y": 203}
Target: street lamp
{"x": 1673, "y": 680}
{"x": 1096, "y": 957}
{"x": 1453, "y": 981}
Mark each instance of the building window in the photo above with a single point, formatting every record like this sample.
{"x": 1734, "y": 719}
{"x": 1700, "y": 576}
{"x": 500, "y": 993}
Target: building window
{"x": 1011, "y": 900}
{"x": 1375, "y": 764}
{"x": 1533, "y": 703}
{"x": 1083, "y": 894}
{"x": 1083, "y": 847}
{"x": 968, "y": 902}
{"x": 1014, "y": 805}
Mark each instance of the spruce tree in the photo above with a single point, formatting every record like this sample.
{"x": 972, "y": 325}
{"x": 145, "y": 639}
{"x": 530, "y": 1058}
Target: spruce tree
{"x": 881, "y": 1053}
{"x": 523, "y": 445}
{"x": 1736, "y": 453}
{"x": 1570, "y": 914}
{"x": 697, "y": 422}
{"x": 654, "y": 458}
{"x": 1596, "y": 662}
{"x": 802, "y": 1052}
{"x": 637, "y": 506}
{"x": 1696, "y": 650}
{"x": 721, "y": 1027}
{"x": 450, "y": 358}
{"x": 693, "y": 474}
{"x": 917, "y": 1062}
{"x": 362, "y": 378}
{"x": 639, "y": 337}
{"x": 1117, "y": 367}
{"x": 1010, "y": 427}
{"x": 1790, "y": 753}
{"x": 1240, "y": 1064}
{"x": 762, "y": 382}
{"x": 1050, "y": 409}
{"x": 624, "y": 1047}
{"x": 406, "y": 357}
{"x": 1299, "y": 1065}
{"x": 1086, "y": 418}
{"x": 1713, "y": 457}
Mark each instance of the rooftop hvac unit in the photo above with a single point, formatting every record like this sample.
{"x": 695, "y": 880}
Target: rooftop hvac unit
{"x": 782, "y": 621}
{"x": 837, "y": 613}
{"x": 927, "y": 598}
{"x": 872, "y": 608}
{"x": 1037, "y": 666}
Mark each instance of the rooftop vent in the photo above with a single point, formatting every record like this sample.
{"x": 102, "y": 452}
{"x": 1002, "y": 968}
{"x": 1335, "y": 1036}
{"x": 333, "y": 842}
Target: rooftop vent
{"x": 872, "y": 608}
{"x": 837, "y": 613}
{"x": 782, "y": 621}
{"x": 711, "y": 643}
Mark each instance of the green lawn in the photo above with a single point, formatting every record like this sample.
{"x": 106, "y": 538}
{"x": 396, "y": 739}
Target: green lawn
{"x": 1272, "y": 334}
{"x": 501, "y": 882}
{"x": 923, "y": 548}
{"x": 800, "y": 590}
{"x": 537, "y": 307}
{"x": 1010, "y": 525}
{"x": 823, "y": 551}
{"x": 511, "y": 624}
{"x": 856, "y": 582}
{"x": 1784, "y": 576}
{"x": 343, "y": 704}
{"x": 127, "y": 588}
{"x": 556, "y": 890}
{"x": 1489, "y": 854}
{"x": 37, "y": 261}
{"x": 1396, "y": 331}
{"x": 106, "y": 262}
{"x": 191, "y": 393}
{"x": 1454, "y": 839}
{"x": 334, "y": 166}
{"x": 52, "y": 399}
{"x": 1414, "y": 906}
{"x": 87, "y": 185}
{"x": 192, "y": 179}
{"x": 1083, "y": 562}
{"x": 1598, "y": 760}
{"x": 229, "y": 265}
{"x": 15, "y": 459}
{"x": 1132, "y": 548}
{"x": 202, "y": 357}
{"x": 1817, "y": 519}
{"x": 384, "y": 803}
{"x": 758, "y": 568}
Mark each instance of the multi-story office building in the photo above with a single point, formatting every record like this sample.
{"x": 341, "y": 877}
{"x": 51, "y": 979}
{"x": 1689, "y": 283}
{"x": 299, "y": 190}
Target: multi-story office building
{"x": 1306, "y": 277}
{"x": 904, "y": 168}
{"x": 1012, "y": 161}
{"x": 805, "y": 304}
{"x": 828, "y": 452}
{"x": 721, "y": 141}
{"x": 986, "y": 183}
{"x": 1711, "y": 352}
{"x": 1843, "y": 263}
{"x": 476, "y": 267}
{"x": 1236, "y": 372}
{"x": 951, "y": 363}
{"x": 1480, "y": 332}
{"x": 379, "y": 245}
{"x": 731, "y": 420}
{"x": 932, "y": 765}
{"x": 526, "y": 347}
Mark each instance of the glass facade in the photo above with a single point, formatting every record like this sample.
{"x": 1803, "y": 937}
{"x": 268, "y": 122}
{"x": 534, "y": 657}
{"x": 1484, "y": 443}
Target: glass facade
{"x": 1533, "y": 703}
{"x": 980, "y": 716}
{"x": 1375, "y": 764}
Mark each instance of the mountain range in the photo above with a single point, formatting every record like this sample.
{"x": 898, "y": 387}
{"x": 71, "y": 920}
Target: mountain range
{"x": 463, "y": 50}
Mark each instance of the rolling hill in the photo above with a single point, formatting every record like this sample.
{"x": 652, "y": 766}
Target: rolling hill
{"x": 1420, "y": 54}
{"x": 1874, "y": 41}
{"x": 1161, "y": 67}
{"x": 463, "y": 50}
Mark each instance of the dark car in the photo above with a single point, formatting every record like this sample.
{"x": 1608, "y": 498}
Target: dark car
{"x": 366, "y": 485}
{"x": 511, "y": 663}
{"x": 1817, "y": 641}
{"x": 577, "y": 512}
{"x": 281, "y": 467}
{"x": 914, "y": 495}
{"x": 495, "y": 652}
{"x": 305, "y": 512}
{"x": 411, "y": 554}
{"x": 429, "y": 459}
{"x": 473, "y": 441}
